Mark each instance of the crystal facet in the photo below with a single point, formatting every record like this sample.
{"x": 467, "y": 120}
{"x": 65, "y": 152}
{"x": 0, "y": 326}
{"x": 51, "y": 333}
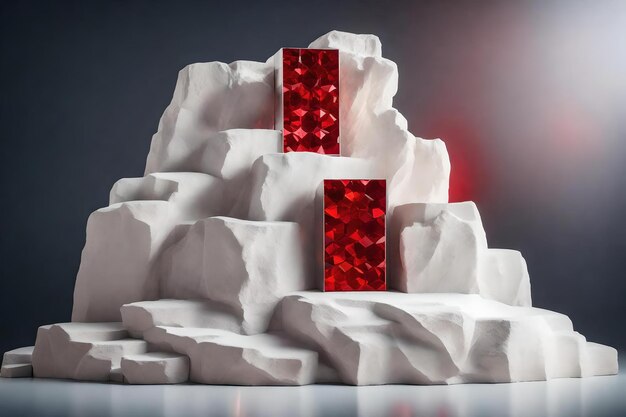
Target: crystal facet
{"x": 354, "y": 235}
{"x": 310, "y": 100}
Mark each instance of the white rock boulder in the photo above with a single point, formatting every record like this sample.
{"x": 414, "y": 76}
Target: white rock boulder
{"x": 155, "y": 368}
{"x": 443, "y": 248}
{"x": 82, "y": 351}
{"x": 229, "y": 154}
{"x": 598, "y": 360}
{"x": 208, "y": 98}
{"x": 244, "y": 265}
{"x": 117, "y": 265}
{"x": 504, "y": 277}
{"x": 436, "y": 248}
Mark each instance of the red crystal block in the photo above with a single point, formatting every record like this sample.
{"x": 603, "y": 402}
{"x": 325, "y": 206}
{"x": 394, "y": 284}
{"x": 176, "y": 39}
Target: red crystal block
{"x": 354, "y": 235}
{"x": 310, "y": 100}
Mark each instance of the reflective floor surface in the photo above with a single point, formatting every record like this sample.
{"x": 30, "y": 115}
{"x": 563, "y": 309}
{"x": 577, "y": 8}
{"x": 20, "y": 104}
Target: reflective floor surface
{"x": 593, "y": 397}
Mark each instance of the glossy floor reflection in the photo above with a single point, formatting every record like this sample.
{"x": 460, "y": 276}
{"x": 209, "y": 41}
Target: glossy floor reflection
{"x": 598, "y": 396}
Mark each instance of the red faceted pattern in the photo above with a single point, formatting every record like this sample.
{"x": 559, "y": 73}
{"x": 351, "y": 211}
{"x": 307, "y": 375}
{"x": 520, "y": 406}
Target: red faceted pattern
{"x": 354, "y": 235}
{"x": 311, "y": 100}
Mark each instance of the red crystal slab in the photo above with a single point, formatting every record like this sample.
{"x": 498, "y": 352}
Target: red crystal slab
{"x": 354, "y": 235}
{"x": 310, "y": 100}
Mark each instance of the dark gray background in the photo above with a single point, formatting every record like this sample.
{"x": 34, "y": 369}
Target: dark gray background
{"x": 530, "y": 98}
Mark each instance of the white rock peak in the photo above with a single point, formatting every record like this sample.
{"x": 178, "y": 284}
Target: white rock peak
{"x": 207, "y": 269}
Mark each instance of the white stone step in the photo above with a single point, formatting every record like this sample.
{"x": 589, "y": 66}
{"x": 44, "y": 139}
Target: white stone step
{"x": 222, "y": 357}
{"x": 16, "y": 370}
{"x": 20, "y": 355}
{"x": 155, "y": 368}
{"x": 286, "y": 186}
{"x": 82, "y": 351}
{"x": 229, "y": 154}
{"x": 89, "y": 332}
{"x": 195, "y": 195}
{"x": 599, "y": 360}
{"x": 143, "y": 315}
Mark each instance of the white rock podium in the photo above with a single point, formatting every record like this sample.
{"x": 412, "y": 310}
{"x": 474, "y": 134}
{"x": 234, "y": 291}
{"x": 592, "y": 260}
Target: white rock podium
{"x": 205, "y": 270}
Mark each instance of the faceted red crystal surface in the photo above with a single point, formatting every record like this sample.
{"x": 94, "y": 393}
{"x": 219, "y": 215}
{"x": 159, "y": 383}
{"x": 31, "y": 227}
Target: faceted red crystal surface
{"x": 311, "y": 100}
{"x": 354, "y": 235}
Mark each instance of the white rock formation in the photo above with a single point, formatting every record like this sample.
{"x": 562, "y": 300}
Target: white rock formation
{"x": 155, "y": 368}
{"x": 221, "y": 298}
{"x": 245, "y": 265}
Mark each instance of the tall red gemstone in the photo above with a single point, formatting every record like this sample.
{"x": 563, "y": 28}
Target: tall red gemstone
{"x": 310, "y": 100}
{"x": 354, "y": 235}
